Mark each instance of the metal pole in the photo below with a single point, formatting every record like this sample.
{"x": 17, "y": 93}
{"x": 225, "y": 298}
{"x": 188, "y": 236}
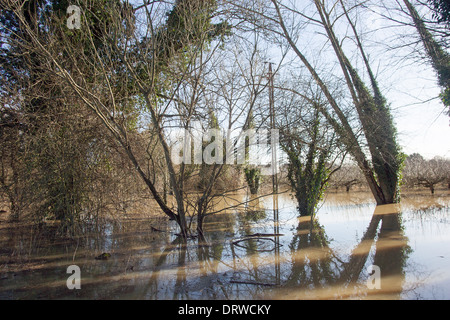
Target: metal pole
{"x": 274, "y": 178}
{"x": 272, "y": 126}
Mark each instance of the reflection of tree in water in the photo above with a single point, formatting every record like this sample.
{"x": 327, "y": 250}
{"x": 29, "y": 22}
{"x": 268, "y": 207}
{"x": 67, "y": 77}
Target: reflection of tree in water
{"x": 311, "y": 265}
{"x": 254, "y": 211}
{"x": 312, "y": 258}
{"x": 316, "y": 266}
{"x": 391, "y": 254}
{"x": 306, "y": 266}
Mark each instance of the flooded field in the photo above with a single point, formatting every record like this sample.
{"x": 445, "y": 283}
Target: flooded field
{"x": 352, "y": 250}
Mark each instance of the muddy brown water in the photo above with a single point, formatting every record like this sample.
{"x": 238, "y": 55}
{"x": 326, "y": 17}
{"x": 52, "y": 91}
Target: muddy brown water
{"x": 353, "y": 250}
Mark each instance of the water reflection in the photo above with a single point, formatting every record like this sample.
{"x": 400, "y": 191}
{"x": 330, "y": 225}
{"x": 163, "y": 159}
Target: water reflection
{"x": 254, "y": 251}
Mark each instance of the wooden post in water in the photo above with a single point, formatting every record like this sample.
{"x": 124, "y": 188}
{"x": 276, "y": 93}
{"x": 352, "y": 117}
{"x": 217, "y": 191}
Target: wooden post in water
{"x": 276, "y": 231}
{"x": 272, "y": 126}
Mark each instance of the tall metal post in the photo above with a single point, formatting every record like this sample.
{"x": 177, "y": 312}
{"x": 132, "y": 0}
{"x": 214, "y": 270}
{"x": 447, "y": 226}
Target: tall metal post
{"x": 276, "y": 226}
{"x": 272, "y": 126}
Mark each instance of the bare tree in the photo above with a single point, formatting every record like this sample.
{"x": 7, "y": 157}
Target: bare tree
{"x": 307, "y": 140}
{"x": 12, "y": 170}
{"x": 426, "y": 173}
{"x": 347, "y": 175}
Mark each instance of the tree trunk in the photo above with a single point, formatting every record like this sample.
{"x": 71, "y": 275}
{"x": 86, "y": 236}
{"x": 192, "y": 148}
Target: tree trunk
{"x": 15, "y": 211}
{"x": 200, "y": 220}
{"x": 439, "y": 58}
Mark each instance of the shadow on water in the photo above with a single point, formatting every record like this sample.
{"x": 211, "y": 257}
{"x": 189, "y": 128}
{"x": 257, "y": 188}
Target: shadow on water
{"x": 258, "y": 251}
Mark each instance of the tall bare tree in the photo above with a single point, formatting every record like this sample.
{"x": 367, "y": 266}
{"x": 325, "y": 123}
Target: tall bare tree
{"x": 373, "y": 142}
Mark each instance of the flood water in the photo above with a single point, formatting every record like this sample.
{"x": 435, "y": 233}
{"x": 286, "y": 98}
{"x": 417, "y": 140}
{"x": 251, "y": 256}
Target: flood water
{"x": 262, "y": 251}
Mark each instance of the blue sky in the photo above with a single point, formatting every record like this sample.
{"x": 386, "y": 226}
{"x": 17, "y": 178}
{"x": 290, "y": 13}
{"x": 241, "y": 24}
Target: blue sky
{"x": 418, "y": 113}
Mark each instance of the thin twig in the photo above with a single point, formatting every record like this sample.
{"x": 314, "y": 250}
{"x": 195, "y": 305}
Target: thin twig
{"x": 254, "y": 283}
